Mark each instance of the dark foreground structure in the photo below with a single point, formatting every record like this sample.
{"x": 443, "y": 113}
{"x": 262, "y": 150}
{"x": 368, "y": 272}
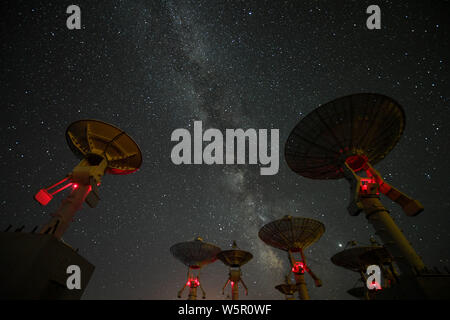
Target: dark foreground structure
{"x": 41, "y": 265}
{"x": 34, "y": 267}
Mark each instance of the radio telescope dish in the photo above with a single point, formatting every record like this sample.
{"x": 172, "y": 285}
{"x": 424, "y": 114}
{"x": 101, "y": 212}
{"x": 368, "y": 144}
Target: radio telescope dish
{"x": 357, "y": 258}
{"x": 364, "y": 126}
{"x": 343, "y": 139}
{"x": 196, "y": 253}
{"x": 102, "y": 148}
{"x": 234, "y": 258}
{"x": 95, "y": 140}
{"x": 291, "y": 233}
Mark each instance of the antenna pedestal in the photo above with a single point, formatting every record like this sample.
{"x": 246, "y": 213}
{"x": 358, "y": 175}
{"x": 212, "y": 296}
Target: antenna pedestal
{"x": 66, "y": 211}
{"x": 301, "y": 287}
{"x": 366, "y": 197}
{"x": 393, "y": 239}
{"x": 234, "y": 259}
{"x": 195, "y": 255}
{"x": 235, "y": 291}
{"x": 235, "y": 277}
{"x": 192, "y": 293}
{"x": 299, "y": 280}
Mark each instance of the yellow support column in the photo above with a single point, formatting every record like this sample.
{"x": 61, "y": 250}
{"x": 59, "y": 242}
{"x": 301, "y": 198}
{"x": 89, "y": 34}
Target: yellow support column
{"x": 299, "y": 280}
{"x": 234, "y": 291}
{"x": 393, "y": 239}
{"x": 301, "y": 287}
{"x": 192, "y": 293}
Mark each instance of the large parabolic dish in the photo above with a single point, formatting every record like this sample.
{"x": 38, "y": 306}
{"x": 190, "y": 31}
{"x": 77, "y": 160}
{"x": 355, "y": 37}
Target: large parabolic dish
{"x": 291, "y": 233}
{"x": 358, "y": 258}
{"x": 93, "y": 138}
{"x": 234, "y": 258}
{"x": 364, "y": 124}
{"x": 196, "y": 253}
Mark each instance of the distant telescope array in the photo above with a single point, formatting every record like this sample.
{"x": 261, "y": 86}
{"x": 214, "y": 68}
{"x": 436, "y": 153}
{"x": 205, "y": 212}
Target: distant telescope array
{"x": 291, "y": 234}
{"x": 343, "y": 139}
{"x": 340, "y": 139}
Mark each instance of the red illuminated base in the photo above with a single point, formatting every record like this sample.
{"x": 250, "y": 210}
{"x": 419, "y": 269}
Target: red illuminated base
{"x": 299, "y": 267}
{"x": 193, "y": 283}
{"x": 34, "y": 267}
{"x": 43, "y": 197}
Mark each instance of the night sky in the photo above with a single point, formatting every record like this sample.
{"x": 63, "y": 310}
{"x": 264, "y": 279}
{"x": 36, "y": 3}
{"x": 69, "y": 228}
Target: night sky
{"x": 150, "y": 67}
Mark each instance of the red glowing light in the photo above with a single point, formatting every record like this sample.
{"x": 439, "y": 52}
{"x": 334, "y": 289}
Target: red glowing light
{"x": 299, "y": 267}
{"x": 62, "y": 188}
{"x": 365, "y": 182}
{"x": 75, "y": 185}
{"x": 357, "y": 162}
{"x": 43, "y": 197}
{"x": 193, "y": 283}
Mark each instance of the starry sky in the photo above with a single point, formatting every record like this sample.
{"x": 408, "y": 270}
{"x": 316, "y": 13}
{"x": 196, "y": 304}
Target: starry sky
{"x": 150, "y": 67}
